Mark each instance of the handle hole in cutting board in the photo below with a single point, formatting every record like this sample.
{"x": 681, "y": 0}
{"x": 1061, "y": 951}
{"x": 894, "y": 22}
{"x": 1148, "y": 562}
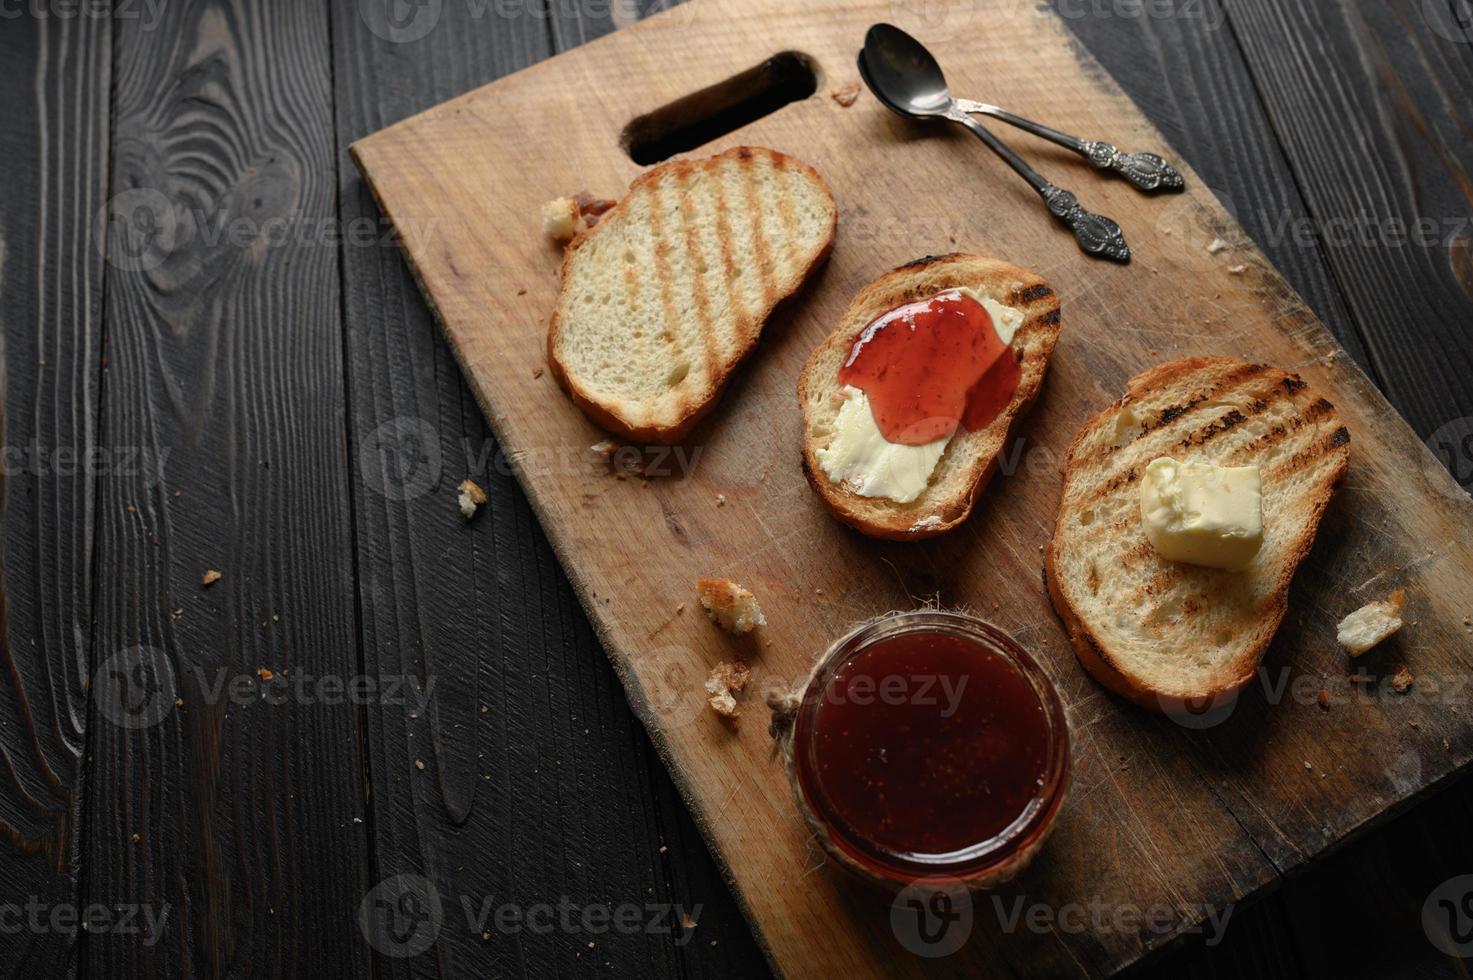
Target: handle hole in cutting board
{"x": 697, "y": 119}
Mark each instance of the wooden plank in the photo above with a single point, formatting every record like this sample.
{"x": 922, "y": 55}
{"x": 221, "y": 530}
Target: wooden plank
{"x": 1188, "y": 76}
{"x": 1372, "y": 104}
{"x": 1183, "y": 69}
{"x": 1180, "y": 64}
{"x": 1242, "y": 787}
{"x": 1186, "y": 72}
{"x": 54, "y": 139}
{"x": 552, "y": 792}
{"x": 235, "y": 810}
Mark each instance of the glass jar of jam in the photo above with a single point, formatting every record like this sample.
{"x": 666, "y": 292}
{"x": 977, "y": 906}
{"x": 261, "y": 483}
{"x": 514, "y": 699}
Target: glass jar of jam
{"x": 928, "y": 745}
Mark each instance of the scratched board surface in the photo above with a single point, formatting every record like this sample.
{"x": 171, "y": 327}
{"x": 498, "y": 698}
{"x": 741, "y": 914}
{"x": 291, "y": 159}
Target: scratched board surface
{"x": 1173, "y": 820}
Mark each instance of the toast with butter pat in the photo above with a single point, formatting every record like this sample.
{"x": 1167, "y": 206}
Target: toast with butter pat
{"x": 663, "y": 298}
{"x": 1168, "y": 635}
{"x": 943, "y": 490}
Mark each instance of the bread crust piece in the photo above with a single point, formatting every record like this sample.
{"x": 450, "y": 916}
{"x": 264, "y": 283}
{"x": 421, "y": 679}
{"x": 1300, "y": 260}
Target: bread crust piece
{"x": 608, "y": 416}
{"x": 1194, "y": 408}
{"x": 971, "y": 458}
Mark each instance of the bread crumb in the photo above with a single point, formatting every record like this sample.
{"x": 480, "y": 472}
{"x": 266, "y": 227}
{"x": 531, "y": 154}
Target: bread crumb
{"x": 419, "y": 764}
{"x": 1324, "y": 699}
{"x": 730, "y": 606}
{"x": 1371, "y": 623}
{"x": 727, "y": 680}
{"x": 1216, "y": 245}
{"x": 560, "y": 219}
{"x": 846, "y": 94}
{"x": 592, "y": 208}
{"x": 680, "y": 609}
{"x": 686, "y": 922}
{"x": 536, "y": 373}
{"x": 603, "y": 452}
{"x": 1402, "y": 681}
{"x": 471, "y": 498}
{"x": 209, "y": 578}
{"x": 1236, "y": 270}
{"x": 264, "y": 673}
{"x": 1307, "y": 766}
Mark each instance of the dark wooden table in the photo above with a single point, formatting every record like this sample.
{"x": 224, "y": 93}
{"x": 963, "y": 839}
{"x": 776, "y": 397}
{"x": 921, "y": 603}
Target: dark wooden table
{"x": 207, "y": 396}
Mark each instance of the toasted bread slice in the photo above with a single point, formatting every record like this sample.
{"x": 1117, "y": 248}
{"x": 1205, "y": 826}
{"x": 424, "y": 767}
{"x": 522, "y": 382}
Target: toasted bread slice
{"x": 970, "y": 457}
{"x": 664, "y": 297}
{"x": 1169, "y": 635}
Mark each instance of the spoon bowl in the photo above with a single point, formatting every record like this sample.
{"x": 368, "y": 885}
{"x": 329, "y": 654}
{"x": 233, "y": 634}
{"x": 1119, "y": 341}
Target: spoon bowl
{"x": 908, "y": 80}
{"x": 903, "y": 74}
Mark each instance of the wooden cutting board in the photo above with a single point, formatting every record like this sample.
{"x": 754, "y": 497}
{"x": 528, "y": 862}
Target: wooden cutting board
{"x": 1166, "y": 825}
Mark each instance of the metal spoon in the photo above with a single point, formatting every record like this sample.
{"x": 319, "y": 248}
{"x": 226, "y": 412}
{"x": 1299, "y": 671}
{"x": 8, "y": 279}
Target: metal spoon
{"x": 906, "y": 78}
{"x": 1147, "y": 171}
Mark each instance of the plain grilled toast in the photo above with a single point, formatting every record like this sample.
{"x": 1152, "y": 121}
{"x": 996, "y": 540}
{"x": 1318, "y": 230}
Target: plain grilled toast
{"x": 664, "y": 297}
{"x": 971, "y": 457}
{"x": 1171, "y": 636}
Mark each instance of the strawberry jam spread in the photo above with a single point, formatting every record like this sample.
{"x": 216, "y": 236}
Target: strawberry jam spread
{"x": 929, "y": 366}
{"x": 934, "y": 746}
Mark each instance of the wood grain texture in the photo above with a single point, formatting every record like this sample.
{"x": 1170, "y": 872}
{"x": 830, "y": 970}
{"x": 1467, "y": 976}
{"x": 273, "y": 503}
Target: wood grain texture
{"x": 1371, "y": 102}
{"x": 539, "y": 785}
{"x": 236, "y": 809}
{"x": 1356, "y": 915}
{"x": 54, "y": 140}
{"x": 1182, "y": 65}
{"x": 1242, "y": 806}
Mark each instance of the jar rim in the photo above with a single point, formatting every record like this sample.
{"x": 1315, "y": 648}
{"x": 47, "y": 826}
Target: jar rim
{"x": 976, "y": 860}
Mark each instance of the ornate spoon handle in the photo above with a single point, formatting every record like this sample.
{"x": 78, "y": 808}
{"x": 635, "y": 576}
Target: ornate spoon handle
{"x": 1147, "y": 171}
{"x": 1097, "y": 234}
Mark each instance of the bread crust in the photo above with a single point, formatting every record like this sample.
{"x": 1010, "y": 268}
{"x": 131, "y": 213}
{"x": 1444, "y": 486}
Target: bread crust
{"x": 928, "y": 516}
{"x": 1224, "y": 685}
{"x": 606, "y": 416}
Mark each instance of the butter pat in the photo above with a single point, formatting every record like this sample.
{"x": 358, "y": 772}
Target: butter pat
{"x": 859, "y": 456}
{"x": 1202, "y": 514}
{"x": 1005, "y": 319}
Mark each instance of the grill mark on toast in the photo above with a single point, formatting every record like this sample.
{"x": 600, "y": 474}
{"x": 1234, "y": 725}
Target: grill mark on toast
{"x": 662, "y": 264}
{"x": 923, "y": 261}
{"x": 735, "y": 300}
{"x": 1247, "y": 452}
{"x": 1174, "y": 413}
{"x": 698, "y": 278}
{"x": 1320, "y": 449}
{"x": 1230, "y": 380}
{"x": 1212, "y": 430}
{"x": 748, "y": 176}
{"x": 785, "y": 214}
{"x": 1032, "y": 294}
